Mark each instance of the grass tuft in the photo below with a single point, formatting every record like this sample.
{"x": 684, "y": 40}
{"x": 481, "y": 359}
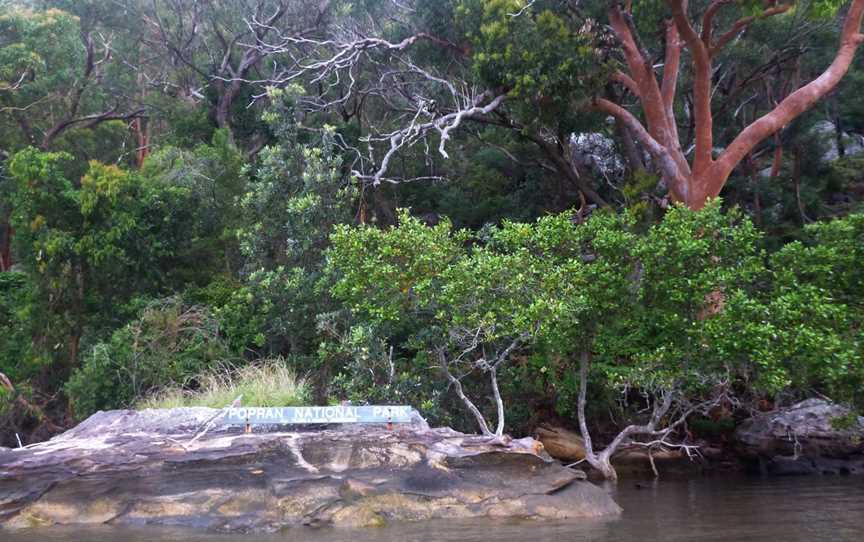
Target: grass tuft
{"x": 265, "y": 383}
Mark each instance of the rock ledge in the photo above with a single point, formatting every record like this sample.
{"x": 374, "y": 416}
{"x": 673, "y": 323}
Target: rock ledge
{"x": 128, "y": 467}
{"x": 804, "y": 439}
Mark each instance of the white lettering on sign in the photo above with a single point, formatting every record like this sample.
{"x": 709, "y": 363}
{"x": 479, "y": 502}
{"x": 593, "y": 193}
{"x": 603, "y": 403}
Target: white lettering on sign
{"x": 317, "y": 414}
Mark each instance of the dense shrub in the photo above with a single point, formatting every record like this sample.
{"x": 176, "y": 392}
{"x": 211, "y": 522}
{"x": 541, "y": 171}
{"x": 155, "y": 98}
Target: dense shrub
{"x": 170, "y": 343}
{"x": 685, "y": 308}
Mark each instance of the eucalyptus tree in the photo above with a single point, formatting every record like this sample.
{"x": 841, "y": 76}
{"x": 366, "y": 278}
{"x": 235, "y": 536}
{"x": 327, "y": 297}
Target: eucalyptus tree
{"x": 697, "y": 179}
{"x": 539, "y": 68}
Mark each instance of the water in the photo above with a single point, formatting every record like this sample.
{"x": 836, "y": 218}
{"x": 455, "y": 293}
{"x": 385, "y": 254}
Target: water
{"x": 714, "y": 509}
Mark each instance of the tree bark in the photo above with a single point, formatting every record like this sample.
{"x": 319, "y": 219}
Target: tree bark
{"x": 5, "y": 245}
{"x": 695, "y": 185}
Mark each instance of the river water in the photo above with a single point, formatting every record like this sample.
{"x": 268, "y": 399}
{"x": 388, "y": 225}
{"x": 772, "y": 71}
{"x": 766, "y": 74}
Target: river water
{"x": 717, "y": 509}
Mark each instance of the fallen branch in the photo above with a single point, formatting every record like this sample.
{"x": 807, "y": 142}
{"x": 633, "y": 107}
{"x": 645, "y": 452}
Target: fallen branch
{"x": 210, "y": 422}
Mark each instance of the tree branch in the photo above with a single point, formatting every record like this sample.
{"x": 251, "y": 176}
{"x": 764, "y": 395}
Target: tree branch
{"x": 620, "y": 77}
{"x": 457, "y": 386}
{"x": 671, "y": 67}
{"x": 584, "y": 366}
{"x": 741, "y": 24}
{"x": 704, "y": 123}
{"x": 670, "y": 170}
{"x": 708, "y": 19}
{"x": 799, "y": 101}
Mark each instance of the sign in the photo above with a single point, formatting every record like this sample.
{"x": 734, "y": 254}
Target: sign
{"x": 317, "y": 414}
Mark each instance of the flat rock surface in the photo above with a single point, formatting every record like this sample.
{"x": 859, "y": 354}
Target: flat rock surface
{"x": 128, "y": 467}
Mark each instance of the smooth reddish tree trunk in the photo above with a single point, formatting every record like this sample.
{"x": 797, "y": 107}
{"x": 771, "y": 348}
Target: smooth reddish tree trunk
{"x": 696, "y": 181}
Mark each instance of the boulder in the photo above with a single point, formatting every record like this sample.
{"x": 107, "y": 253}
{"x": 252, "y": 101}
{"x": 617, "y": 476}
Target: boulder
{"x": 827, "y": 132}
{"x": 128, "y": 467}
{"x": 805, "y": 438}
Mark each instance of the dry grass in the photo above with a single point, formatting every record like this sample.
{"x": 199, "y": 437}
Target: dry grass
{"x": 265, "y": 383}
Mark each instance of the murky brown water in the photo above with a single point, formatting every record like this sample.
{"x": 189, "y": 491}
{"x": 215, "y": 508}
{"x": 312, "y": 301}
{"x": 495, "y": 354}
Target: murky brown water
{"x": 728, "y": 509}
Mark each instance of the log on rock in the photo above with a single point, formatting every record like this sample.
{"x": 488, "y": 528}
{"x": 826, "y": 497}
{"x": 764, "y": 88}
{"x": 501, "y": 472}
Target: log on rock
{"x": 561, "y": 443}
{"x": 128, "y": 467}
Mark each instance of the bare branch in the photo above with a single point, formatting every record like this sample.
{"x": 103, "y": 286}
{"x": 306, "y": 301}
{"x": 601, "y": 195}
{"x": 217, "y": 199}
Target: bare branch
{"x": 741, "y": 24}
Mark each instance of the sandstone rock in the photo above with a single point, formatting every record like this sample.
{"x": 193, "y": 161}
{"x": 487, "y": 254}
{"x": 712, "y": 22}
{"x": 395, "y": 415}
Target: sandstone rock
{"x": 803, "y": 439}
{"x": 826, "y": 131}
{"x": 126, "y": 467}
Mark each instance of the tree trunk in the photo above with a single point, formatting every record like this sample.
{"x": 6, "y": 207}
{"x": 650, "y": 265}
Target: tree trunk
{"x": 140, "y": 129}
{"x": 5, "y": 245}
{"x": 604, "y": 464}
{"x": 602, "y": 461}
{"x": 694, "y": 184}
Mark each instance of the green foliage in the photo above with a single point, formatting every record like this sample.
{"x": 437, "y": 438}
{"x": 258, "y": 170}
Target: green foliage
{"x": 87, "y": 247}
{"x": 298, "y": 194}
{"x": 538, "y": 56}
{"x": 195, "y": 195}
{"x": 681, "y": 306}
{"x": 38, "y": 47}
{"x": 817, "y": 304}
{"x": 168, "y": 344}
{"x": 17, "y": 360}
{"x": 44, "y": 83}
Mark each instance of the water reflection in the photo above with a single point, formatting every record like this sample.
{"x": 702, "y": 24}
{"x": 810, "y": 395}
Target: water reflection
{"x": 786, "y": 509}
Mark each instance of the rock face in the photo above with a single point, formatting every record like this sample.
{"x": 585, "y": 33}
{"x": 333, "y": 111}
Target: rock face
{"x": 127, "y": 467}
{"x": 803, "y": 439}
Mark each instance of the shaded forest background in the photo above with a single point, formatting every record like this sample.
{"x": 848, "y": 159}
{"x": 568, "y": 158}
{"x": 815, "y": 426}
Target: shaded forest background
{"x": 425, "y": 202}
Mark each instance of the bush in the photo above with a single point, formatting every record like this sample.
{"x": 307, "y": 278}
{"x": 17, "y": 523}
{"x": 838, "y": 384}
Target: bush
{"x": 16, "y": 321}
{"x": 268, "y": 383}
{"x": 169, "y": 344}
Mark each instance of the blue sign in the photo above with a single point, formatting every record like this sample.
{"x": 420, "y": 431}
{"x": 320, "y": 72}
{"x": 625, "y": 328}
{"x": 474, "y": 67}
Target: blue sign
{"x": 317, "y": 414}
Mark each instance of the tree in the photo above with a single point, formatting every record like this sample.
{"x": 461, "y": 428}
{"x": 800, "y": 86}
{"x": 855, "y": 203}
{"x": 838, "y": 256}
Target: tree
{"x": 212, "y": 52}
{"x": 435, "y": 68}
{"x": 298, "y": 193}
{"x": 74, "y": 243}
{"x": 536, "y": 66}
{"x": 702, "y": 178}
{"x": 91, "y": 248}
{"x": 672, "y": 316}
{"x": 51, "y": 68}
{"x": 470, "y": 309}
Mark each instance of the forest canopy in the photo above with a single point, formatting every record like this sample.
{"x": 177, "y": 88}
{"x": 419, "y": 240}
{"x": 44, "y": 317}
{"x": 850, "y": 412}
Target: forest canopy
{"x": 620, "y": 216}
